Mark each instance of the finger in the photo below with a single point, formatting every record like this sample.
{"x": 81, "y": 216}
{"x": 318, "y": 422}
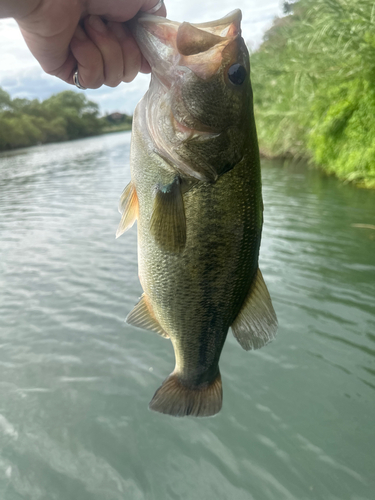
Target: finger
{"x": 145, "y": 67}
{"x": 48, "y": 31}
{"x": 121, "y": 11}
{"x": 89, "y": 60}
{"x": 109, "y": 48}
{"x": 132, "y": 57}
{"x": 65, "y": 72}
{"x": 53, "y": 60}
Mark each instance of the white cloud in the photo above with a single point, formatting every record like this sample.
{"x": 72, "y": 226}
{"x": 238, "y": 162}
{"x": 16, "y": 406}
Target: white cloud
{"x": 21, "y": 75}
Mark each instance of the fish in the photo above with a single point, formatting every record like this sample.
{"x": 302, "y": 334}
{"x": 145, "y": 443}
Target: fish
{"x": 195, "y": 192}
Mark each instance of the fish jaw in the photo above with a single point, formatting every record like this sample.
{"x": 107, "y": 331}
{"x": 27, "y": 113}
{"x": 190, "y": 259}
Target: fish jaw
{"x": 173, "y": 48}
{"x": 156, "y": 38}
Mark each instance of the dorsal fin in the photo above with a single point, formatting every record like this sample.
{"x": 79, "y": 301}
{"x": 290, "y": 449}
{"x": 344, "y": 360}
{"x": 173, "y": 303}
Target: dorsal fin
{"x": 256, "y": 323}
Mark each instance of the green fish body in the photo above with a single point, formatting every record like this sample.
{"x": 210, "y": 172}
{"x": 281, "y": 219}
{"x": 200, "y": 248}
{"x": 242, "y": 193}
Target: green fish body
{"x": 196, "y": 195}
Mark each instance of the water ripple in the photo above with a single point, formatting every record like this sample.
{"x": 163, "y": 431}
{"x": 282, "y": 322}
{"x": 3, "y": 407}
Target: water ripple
{"x": 75, "y": 380}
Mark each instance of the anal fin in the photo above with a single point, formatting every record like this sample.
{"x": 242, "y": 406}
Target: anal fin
{"x": 128, "y": 207}
{"x": 256, "y": 323}
{"x": 141, "y": 317}
{"x": 168, "y": 223}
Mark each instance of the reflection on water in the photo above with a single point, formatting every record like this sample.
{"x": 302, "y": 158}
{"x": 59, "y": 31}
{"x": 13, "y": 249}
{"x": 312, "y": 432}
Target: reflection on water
{"x": 75, "y": 380}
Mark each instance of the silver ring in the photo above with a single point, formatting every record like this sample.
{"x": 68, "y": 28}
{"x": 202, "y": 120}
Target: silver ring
{"x": 158, "y": 6}
{"x": 76, "y": 81}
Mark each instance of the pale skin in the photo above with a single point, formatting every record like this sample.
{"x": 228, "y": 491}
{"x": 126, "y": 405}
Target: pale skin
{"x": 84, "y": 35}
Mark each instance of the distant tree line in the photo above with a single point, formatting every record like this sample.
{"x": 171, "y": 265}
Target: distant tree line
{"x": 65, "y": 116}
{"x": 314, "y": 86}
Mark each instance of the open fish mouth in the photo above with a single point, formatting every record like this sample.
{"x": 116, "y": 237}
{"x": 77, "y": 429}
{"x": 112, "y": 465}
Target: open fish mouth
{"x": 171, "y": 48}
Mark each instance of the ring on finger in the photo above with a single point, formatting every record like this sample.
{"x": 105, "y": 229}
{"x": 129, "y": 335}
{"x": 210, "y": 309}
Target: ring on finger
{"x": 76, "y": 81}
{"x": 154, "y": 9}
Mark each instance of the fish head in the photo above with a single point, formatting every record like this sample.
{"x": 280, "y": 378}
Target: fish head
{"x": 200, "y": 96}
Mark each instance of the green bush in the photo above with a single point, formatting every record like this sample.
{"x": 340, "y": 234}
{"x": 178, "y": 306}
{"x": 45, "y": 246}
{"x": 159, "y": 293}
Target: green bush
{"x": 314, "y": 86}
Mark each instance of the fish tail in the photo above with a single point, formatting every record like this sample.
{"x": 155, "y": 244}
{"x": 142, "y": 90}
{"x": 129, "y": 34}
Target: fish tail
{"x": 177, "y": 399}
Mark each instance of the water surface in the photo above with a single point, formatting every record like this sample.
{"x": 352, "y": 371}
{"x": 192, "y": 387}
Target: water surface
{"x": 75, "y": 380}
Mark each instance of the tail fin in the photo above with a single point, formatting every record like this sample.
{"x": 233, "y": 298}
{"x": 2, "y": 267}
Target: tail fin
{"x": 177, "y": 399}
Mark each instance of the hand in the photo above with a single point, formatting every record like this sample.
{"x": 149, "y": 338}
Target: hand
{"x": 88, "y": 36}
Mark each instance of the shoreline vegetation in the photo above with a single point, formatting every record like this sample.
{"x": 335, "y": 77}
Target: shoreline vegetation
{"x": 314, "y": 87}
{"x": 62, "y": 117}
{"x": 314, "y": 94}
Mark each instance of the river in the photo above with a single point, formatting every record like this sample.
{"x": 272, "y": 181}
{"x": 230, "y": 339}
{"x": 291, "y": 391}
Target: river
{"x": 75, "y": 380}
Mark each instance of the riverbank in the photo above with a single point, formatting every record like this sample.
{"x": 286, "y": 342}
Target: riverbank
{"x": 314, "y": 87}
{"x": 116, "y": 128}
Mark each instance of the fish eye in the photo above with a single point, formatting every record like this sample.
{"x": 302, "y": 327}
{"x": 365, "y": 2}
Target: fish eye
{"x": 237, "y": 74}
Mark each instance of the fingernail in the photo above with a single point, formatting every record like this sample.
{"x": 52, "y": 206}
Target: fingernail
{"x": 97, "y": 24}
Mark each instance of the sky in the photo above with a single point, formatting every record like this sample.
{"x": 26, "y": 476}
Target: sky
{"x": 21, "y": 75}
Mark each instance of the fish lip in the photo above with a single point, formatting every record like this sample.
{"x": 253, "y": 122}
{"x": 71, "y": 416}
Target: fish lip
{"x": 158, "y": 40}
{"x": 154, "y": 36}
{"x": 233, "y": 16}
{"x": 144, "y": 20}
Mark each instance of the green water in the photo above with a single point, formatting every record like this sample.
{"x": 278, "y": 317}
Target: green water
{"x": 75, "y": 380}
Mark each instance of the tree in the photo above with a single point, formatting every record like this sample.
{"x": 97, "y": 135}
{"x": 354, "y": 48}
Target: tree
{"x": 63, "y": 116}
{"x": 5, "y": 99}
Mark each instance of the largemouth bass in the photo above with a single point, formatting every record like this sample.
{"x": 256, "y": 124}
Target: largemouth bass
{"x": 195, "y": 192}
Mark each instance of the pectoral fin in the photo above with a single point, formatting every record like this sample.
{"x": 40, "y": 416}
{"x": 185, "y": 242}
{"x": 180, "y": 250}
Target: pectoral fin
{"x": 128, "y": 207}
{"x": 256, "y": 323}
{"x": 168, "y": 223}
{"x": 142, "y": 317}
